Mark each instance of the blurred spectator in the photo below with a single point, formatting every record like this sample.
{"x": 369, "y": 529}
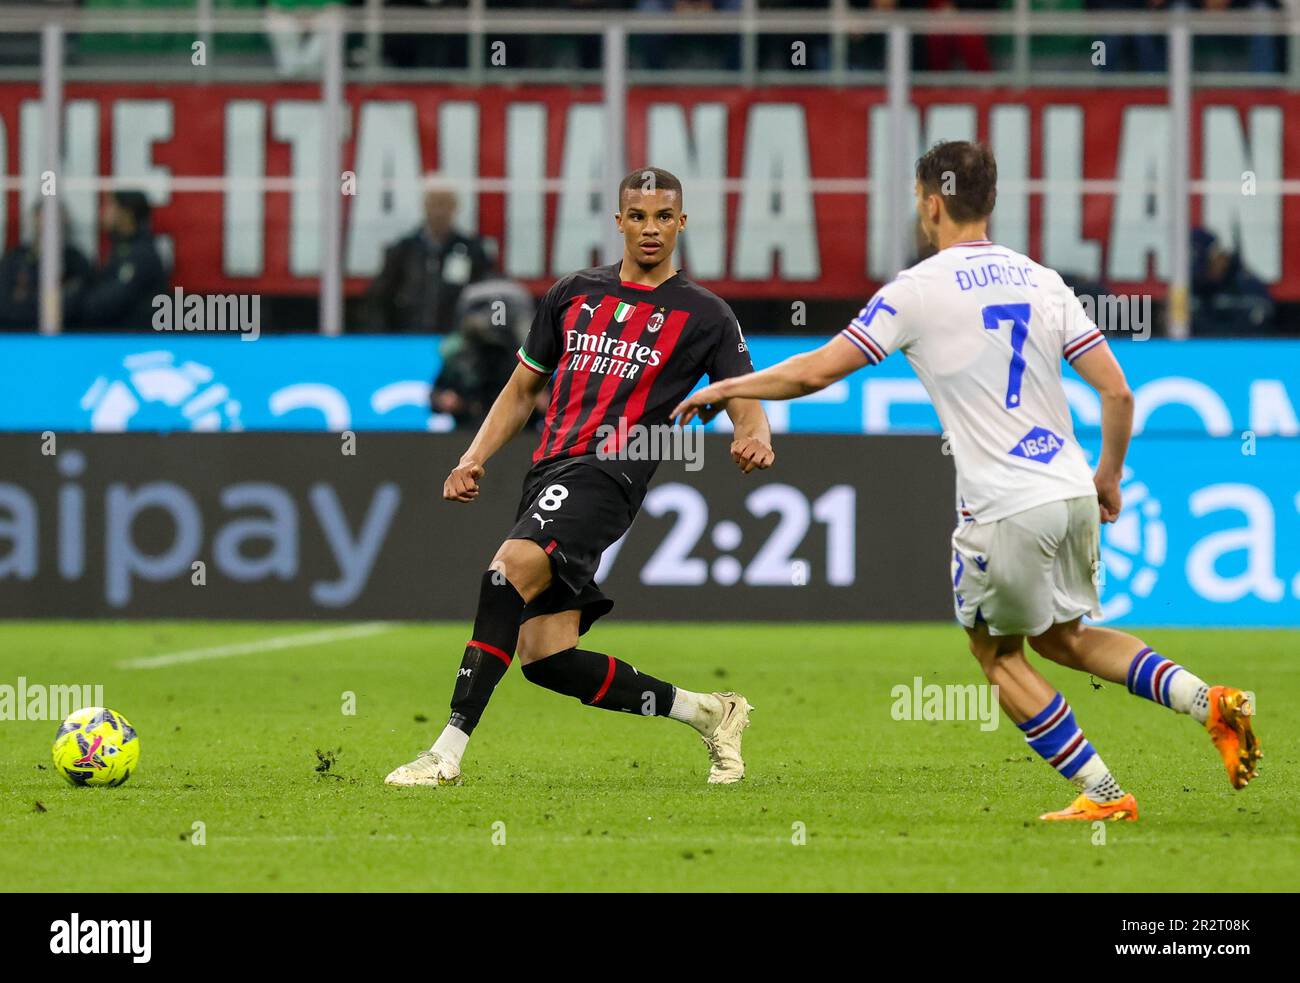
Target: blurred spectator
{"x": 776, "y": 52}
{"x": 686, "y": 51}
{"x": 1266, "y": 49}
{"x": 946, "y": 52}
{"x": 1132, "y": 52}
{"x": 869, "y": 51}
{"x": 20, "y": 277}
{"x": 138, "y": 48}
{"x": 687, "y": 6}
{"x": 298, "y": 53}
{"x": 1256, "y": 52}
{"x": 1227, "y": 299}
{"x": 580, "y": 52}
{"x": 423, "y": 274}
{"x": 1060, "y": 51}
{"x": 119, "y": 296}
{"x": 425, "y": 50}
{"x": 478, "y": 359}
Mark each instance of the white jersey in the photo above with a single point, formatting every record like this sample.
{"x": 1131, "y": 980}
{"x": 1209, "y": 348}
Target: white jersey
{"x": 985, "y": 329}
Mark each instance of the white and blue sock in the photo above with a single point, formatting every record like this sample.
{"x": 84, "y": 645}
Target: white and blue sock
{"x": 1059, "y": 741}
{"x": 1153, "y": 677}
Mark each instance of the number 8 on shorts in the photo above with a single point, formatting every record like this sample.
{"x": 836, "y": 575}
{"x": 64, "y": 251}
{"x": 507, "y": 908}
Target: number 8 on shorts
{"x": 552, "y": 498}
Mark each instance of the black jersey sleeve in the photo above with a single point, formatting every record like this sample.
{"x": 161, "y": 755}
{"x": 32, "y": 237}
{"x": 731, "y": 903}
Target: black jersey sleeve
{"x": 731, "y": 354}
{"x": 541, "y": 349}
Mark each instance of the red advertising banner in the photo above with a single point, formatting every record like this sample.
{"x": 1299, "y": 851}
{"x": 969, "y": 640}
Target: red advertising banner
{"x": 786, "y": 188}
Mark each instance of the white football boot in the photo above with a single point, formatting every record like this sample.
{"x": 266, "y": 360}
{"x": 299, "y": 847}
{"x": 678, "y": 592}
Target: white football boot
{"x": 724, "y": 743}
{"x": 429, "y": 768}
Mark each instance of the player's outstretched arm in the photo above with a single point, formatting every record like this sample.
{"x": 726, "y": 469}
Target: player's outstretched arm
{"x": 797, "y": 376}
{"x": 1101, "y": 371}
{"x": 507, "y": 417}
{"x": 751, "y": 446}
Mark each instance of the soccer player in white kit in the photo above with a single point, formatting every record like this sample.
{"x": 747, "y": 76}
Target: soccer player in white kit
{"x": 986, "y": 329}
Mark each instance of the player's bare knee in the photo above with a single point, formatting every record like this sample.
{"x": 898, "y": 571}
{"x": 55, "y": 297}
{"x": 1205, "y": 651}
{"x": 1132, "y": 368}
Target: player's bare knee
{"x": 997, "y": 654}
{"x": 535, "y": 650}
{"x": 1057, "y": 645}
{"x": 979, "y": 644}
{"x": 985, "y": 649}
{"x": 525, "y": 565}
{"x": 540, "y": 638}
{"x": 1050, "y": 649}
{"x": 530, "y": 649}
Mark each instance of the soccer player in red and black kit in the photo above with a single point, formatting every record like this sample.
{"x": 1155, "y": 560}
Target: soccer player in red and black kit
{"x": 622, "y": 345}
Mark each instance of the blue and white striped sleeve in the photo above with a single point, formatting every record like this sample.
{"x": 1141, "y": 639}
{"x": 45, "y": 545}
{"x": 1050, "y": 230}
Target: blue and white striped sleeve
{"x": 1079, "y": 332}
{"x": 880, "y": 327}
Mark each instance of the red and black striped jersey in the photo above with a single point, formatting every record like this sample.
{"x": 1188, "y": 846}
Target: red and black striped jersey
{"x": 623, "y": 355}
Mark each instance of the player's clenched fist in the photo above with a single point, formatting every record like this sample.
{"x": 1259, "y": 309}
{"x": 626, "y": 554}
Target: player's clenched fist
{"x": 1109, "y": 499}
{"x": 462, "y": 484}
{"x": 750, "y": 453}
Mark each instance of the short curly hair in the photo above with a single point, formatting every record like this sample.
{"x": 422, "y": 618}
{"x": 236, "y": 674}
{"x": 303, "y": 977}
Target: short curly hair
{"x": 964, "y": 174}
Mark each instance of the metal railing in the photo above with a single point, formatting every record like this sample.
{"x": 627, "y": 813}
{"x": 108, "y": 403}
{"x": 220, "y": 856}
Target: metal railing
{"x": 478, "y": 23}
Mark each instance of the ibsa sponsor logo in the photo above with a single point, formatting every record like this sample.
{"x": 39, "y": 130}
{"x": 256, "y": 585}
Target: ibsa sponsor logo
{"x": 1040, "y": 445}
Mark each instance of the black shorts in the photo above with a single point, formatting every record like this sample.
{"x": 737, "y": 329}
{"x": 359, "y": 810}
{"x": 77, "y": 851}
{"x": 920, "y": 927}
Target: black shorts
{"x": 574, "y": 511}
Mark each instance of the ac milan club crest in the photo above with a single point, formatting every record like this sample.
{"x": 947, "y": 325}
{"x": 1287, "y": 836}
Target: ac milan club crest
{"x": 655, "y": 323}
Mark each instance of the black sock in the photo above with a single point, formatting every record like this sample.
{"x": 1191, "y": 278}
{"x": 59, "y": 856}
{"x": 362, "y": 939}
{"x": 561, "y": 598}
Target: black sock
{"x": 602, "y": 681}
{"x": 488, "y": 655}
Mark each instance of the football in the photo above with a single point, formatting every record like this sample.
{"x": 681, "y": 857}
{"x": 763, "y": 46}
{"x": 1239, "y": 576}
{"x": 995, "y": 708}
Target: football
{"x": 96, "y": 747}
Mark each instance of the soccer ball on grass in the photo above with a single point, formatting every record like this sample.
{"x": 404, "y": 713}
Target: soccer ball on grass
{"x": 96, "y": 746}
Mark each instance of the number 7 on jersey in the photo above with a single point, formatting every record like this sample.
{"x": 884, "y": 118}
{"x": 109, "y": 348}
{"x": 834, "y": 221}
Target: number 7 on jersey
{"x": 1017, "y": 315}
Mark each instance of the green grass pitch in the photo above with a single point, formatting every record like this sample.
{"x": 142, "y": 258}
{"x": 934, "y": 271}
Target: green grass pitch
{"x": 590, "y": 800}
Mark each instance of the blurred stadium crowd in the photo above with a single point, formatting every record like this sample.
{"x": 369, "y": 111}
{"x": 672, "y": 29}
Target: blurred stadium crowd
{"x": 287, "y": 48}
{"x": 419, "y": 288}
{"x": 436, "y": 277}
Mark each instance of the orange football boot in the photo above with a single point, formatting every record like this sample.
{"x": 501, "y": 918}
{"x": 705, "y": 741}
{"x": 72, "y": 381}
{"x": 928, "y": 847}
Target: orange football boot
{"x": 1229, "y": 727}
{"x": 1084, "y": 808}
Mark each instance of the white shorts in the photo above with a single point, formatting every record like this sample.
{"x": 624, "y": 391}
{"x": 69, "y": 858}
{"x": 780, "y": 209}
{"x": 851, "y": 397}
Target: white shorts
{"x": 1022, "y": 574}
